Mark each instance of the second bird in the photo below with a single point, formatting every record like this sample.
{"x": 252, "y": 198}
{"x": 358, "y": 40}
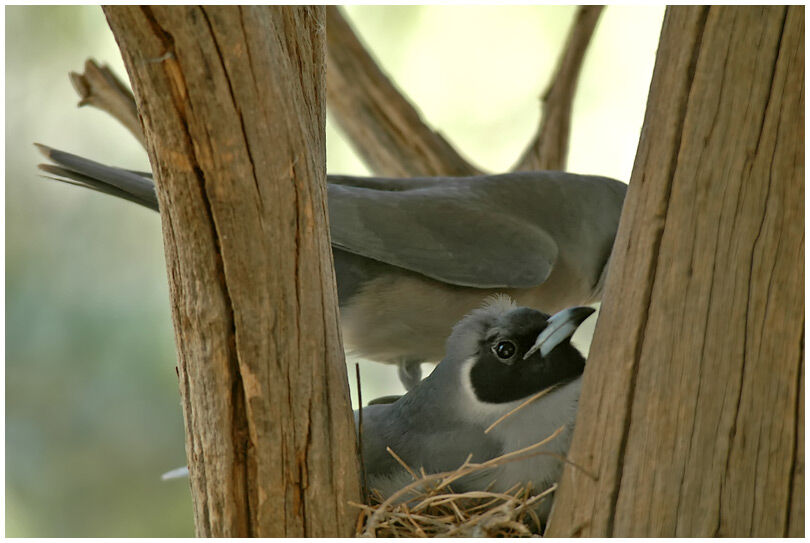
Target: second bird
{"x": 509, "y": 380}
{"x": 413, "y": 256}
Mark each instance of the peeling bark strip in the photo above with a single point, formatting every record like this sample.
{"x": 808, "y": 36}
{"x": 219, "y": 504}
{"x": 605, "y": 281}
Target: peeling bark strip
{"x": 692, "y": 408}
{"x": 232, "y": 105}
{"x": 383, "y": 126}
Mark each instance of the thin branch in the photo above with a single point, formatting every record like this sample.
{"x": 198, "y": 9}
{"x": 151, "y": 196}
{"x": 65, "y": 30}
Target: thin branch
{"x": 383, "y": 126}
{"x": 99, "y": 87}
{"x": 363, "y": 483}
{"x": 519, "y": 407}
{"x": 548, "y": 149}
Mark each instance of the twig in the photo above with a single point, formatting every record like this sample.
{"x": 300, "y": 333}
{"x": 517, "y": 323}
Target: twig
{"x": 360, "y": 432}
{"x": 521, "y": 406}
{"x": 446, "y": 478}
{"x": 548, "y": 150}
{"x": 401, "y": 462}
{"x": 99, "y": 87}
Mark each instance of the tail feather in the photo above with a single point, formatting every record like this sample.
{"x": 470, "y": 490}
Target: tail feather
{"x": 177, "y": 473}
{"x": 75, "y": 170}
{"x": 139, "y": 187}
{"x": 57, "y": 173}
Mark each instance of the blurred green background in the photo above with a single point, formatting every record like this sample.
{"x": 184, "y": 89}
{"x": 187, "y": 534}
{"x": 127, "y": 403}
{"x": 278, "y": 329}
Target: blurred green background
{"x": 92, "y": 409}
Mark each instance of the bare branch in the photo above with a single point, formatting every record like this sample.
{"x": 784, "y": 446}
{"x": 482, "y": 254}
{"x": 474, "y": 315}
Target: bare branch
{"x": 383, "y": 126}
{"x": 548, "y": 149}
{"x": 99, "y": 87}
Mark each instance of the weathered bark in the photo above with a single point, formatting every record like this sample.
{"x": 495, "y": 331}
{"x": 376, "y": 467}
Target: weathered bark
{"x": 692, "y": 406}
{"x": 233, "y": 112}
{"x": 99, "y": 87}
{"x": 548, "y": 150}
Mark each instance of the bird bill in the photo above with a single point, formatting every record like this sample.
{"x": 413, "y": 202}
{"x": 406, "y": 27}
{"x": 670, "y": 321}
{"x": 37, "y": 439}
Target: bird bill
{"x": 560, "y": 327}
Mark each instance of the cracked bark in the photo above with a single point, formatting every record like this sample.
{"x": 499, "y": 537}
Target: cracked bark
{"x": 691, "y": 411}
{"x": 269, "y": 430}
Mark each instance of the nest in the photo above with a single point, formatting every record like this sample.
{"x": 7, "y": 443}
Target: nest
{"x": 428, "y": 507}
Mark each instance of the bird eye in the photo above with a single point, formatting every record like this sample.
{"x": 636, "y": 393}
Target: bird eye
{"x": 504, "y": 350}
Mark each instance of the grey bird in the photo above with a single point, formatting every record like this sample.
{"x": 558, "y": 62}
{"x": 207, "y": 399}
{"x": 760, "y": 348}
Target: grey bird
{"x": 413, "y": 256}
{"x": 496, "y": 358}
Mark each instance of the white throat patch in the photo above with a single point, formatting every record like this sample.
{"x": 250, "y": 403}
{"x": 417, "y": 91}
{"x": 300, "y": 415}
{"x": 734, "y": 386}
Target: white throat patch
{"x": 474, "y": 409}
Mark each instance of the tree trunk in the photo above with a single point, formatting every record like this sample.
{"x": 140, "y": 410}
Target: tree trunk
{"x": 692, "y": 412}
{"x": 232, "y": 104}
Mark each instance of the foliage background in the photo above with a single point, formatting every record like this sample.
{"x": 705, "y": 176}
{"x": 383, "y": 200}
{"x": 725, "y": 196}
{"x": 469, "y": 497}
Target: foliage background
{"x": 92, "y": 409}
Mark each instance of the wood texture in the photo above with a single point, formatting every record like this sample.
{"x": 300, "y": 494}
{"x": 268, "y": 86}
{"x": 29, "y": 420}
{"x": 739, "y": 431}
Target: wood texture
{"x": 232, "y": 104}
{"x": 692, "y": 405}
{"x": 382, "y": 125}
{"x": 548, "y": 149}
{"x": 99, "y": 87}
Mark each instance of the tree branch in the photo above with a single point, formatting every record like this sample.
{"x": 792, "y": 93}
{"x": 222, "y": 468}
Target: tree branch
{"x": 99, "y": 87}
{"x": 240, "y": 172}
{"x": 383, "y": 126}
{"x": 548, "y": 149}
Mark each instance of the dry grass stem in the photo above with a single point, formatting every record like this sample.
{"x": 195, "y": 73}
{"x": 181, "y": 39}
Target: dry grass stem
{"x": 428, "y": 506}
{"x": 521, "y": 406}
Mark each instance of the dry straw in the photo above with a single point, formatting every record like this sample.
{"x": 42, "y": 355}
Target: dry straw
{"x": 428, "y": 507}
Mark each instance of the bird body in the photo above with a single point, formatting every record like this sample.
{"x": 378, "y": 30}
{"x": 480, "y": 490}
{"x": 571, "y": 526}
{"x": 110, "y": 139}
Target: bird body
{"x": 413, "y": 256}
{"x": 482, "y": 402}
{"x": 443, "y": 419}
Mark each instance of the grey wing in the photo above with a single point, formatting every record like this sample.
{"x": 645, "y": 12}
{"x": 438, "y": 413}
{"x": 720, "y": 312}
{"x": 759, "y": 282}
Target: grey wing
{"x": 382, "y": 400}
{"x": 443, "y": 234}
{"x": 75, "y": 170}
{"x": 386, "y": 183}
{"x": 420, "y": 443}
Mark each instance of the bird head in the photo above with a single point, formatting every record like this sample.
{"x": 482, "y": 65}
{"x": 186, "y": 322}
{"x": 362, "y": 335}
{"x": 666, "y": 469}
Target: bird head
{"x": 513, "y": 352}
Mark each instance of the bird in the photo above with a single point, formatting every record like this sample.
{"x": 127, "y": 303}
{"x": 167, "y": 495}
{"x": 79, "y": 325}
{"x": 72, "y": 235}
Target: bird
{"x": 497, "y": 357}
{"x": 413, "y": 256}
{"x": 477, "y": 405}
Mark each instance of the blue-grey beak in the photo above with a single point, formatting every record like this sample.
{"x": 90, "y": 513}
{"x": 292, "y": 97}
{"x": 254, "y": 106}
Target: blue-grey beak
{"x": 560, "y": 327}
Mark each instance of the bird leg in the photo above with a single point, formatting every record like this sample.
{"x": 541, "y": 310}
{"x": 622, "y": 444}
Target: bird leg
{"x": 410, "y": 372}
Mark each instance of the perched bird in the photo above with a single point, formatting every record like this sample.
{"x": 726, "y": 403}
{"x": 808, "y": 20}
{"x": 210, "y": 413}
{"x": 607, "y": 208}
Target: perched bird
{"x": 496, "y": 358}
{"x": 413, "y": 256}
